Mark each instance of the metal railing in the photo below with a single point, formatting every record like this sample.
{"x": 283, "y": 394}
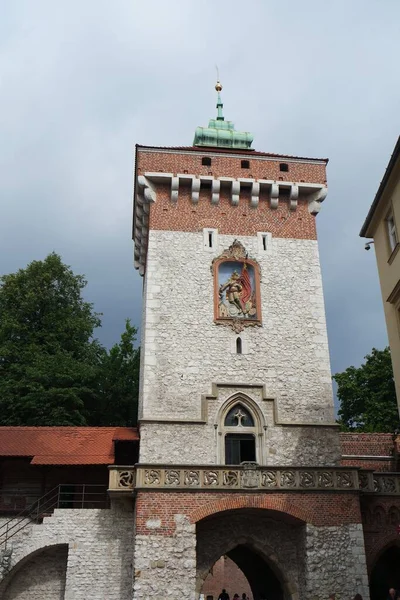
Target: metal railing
{"x": 73, "y": 496}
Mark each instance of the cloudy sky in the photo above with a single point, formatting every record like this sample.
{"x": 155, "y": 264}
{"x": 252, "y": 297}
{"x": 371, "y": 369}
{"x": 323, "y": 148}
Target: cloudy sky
{"x": 82, "y": 81}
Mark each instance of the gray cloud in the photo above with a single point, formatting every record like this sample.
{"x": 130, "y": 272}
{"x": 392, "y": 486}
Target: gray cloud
{"x": 82, "y": 82}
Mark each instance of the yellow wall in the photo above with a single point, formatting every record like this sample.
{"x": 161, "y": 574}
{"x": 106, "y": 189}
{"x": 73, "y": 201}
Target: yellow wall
{"x": 389, "y": 265}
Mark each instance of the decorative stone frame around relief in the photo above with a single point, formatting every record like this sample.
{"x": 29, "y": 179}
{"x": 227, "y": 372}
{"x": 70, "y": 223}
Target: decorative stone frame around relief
{"x": 236, "y": 252}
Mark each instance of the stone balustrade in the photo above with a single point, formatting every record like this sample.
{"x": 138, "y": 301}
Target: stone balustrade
{"x": 379, "y": 483}
{"x": 246, "y": 477}
{"x": 121, "y": 479}
{"x": 250, "y": 476}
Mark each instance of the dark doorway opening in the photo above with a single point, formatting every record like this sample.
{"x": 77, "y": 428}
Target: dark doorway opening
{"x": 386, "y": 573}
{"x": 126, "y": 452}
{"x": 239, "y": 447}
{"x": 242, "y": 570}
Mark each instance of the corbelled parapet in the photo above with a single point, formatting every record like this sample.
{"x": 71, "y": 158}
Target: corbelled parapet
{"x": 236, "y": 192}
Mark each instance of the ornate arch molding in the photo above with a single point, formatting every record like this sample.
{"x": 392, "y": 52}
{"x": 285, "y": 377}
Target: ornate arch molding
{"x": 240, "y": 397}
{"x": 258, "y": 430}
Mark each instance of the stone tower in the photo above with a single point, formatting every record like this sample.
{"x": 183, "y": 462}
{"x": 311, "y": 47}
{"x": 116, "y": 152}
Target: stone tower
{"x": 201, "y": 214}
{"x": 238, "y": 444}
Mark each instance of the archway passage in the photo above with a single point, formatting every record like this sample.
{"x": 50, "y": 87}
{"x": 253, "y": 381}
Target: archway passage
{"x": 240, "y": 571}
{"x": 263, "y": 581}
{"x": 266, "y": 546}
{"x": 386, "y": 573}
{"x": 225, "y": 574}
{"x": 42, "y": 575}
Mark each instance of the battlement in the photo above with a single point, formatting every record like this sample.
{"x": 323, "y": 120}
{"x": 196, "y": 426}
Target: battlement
{"x": 236, "y": 192}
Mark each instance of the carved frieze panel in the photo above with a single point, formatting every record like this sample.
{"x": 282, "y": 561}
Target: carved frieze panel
{"x": 248, "y": 476}
{"x": 125, "y": 479}
{"x": 251, "y": 476}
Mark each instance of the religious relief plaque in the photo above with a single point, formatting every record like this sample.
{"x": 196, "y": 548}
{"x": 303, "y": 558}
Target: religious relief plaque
{"x": 236, "y": 289}
{"x": 250, "y": 475}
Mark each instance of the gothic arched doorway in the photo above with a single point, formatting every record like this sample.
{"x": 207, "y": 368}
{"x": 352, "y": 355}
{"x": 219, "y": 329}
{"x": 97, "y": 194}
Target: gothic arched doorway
{"x": 265, "y": 546}
{"x": 242, "y": 570}
{"x": 386, "y": 573}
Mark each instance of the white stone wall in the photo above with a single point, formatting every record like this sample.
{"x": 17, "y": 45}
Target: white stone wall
{"x": 41, "y": 578}
{"x": 199, "y": 444}
{"x": 203, "y": 443}
{"x": 165, "y": 567}
{"x": 184, "y": 352}
{"x": 100, "y": 551}
{"x": 336, "y": 562}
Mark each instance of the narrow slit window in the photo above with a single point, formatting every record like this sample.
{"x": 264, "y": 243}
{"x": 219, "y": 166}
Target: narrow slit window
{"x": 206, "y": 161}
{"x": 210, "y": 239}
{"x": 245, "y": 164}
{"x": 264, "y": 242}
{"x": 284, "y": 167}
{"x": 238, "y": 345}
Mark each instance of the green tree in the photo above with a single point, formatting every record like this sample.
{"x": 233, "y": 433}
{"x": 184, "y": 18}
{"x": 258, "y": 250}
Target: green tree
{"x": 119, "y": 383}
{"x": 49, "y": 360}
{"x": 367, "y": 395}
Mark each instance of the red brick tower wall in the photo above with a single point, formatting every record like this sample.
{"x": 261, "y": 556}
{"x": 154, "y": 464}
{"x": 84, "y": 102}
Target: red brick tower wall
{"x": 230, "y": 220}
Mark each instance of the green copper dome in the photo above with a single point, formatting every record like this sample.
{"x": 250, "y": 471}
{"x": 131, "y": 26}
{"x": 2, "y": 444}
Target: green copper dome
{"x": 221, "y": 133}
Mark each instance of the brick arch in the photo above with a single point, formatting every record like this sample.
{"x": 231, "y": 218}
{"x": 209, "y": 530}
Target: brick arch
{"x": 382, "y": 543}
{"x": 393, "y": 516}
{"x": 282, "y": 504}
{"x": 379, "y": 515}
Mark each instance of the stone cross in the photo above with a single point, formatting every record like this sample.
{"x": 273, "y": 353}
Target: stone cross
{"x": 239, "y": 416}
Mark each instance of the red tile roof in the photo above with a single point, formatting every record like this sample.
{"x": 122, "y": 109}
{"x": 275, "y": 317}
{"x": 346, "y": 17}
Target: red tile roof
{"x": 64, "y": 445}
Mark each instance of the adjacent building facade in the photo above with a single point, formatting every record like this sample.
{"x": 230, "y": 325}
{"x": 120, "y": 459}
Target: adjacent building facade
{"x": 241, "y": 464}
{"x": 382, "y": 225}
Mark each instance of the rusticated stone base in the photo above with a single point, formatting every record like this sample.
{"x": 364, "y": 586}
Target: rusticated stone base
{"x": 165, "y": 566}
{"x": 335, "y": 562}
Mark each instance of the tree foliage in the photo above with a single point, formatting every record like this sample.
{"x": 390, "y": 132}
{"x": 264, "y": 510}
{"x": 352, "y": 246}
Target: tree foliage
{"x": 367, "y": 395}
{"x": 119, "y": 382}
{"x": 52, "y": 370}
